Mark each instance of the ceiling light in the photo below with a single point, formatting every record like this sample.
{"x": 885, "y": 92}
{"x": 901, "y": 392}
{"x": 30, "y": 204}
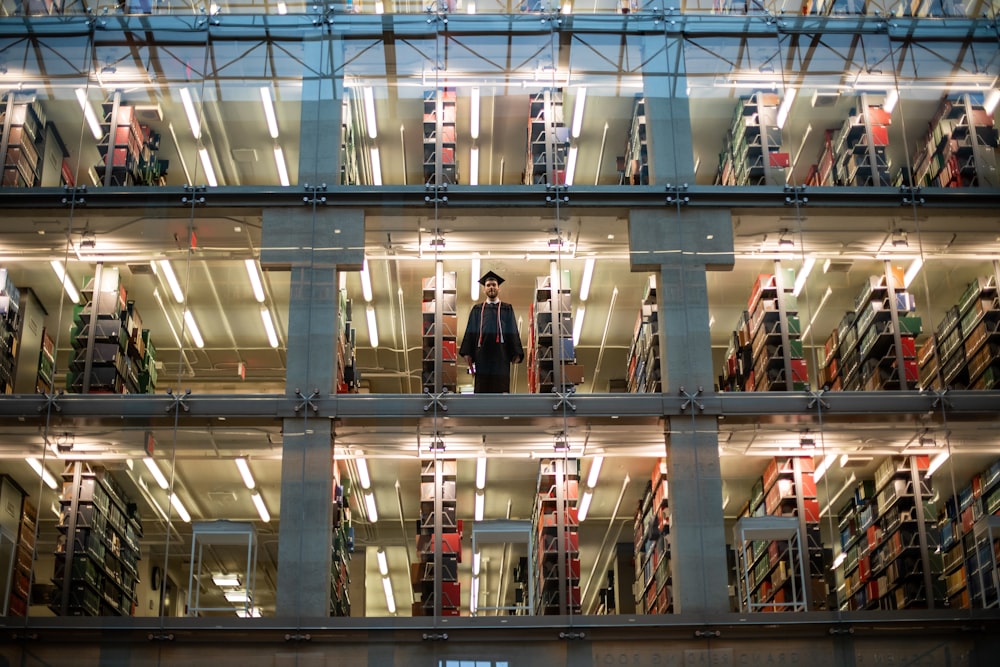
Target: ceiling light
{"x": 370, "y": 506}
{"x": 279, "y": 163}
{"x": 372, "y": 326}
{"x": 474, "y": 166}
{"x": 42, "y": 472}
{"x": 571, "y": 166}
{"x": 368, "y": 96}
{"x": 226, "y": 580}
{"x": 581, "y": 99}
{"x": 238, "y": 596}
{"x": 258, "y": 502}
{"x": 891, "y": 99}
{"x": 376, "y": 167}
{"x": 193, "y": 329}
{"x": 206, "y": 163}
{"x": 64, "y": 279}
{"x": 786, "y": 106}
{"x": 254, "y": 612}
{"x": 936, "y": 463}
{"x": 578, "y": 324}
{"x": 588, "y": 277}
{"x": 379, "y": 7}
{"x": 171, "y": 278}
{"x": 245, "y": 473}
{"x": 178, "y": 506}
{"x": 476, "y": 563}
{"x": 282, "y": 8}
{"x": 272, "y": 335}
{"x": 911, "y": 271}
{"x": 88, "y": 113}
{"x": 595, "y": 471}
{"x": 481, "y": 472}
{"x": 383, "y": 565}
{"x": 255, "y": 282}
{"x": 800, "y": 279}
{"x": 363, "y": 477}
{"x": 157, "y": 474}
{"x": 366, "y": 281}
{"x": 823, "y": 466}
{"x": 584, "y": 507}
{"x": 390, "y": 600}
{"x": 272, "y": 120}
{"x": 474, "y": 113}
{"x": 191, "y": 112}
{"x": 480, "y": 506}
{"x": 990, "y": 103}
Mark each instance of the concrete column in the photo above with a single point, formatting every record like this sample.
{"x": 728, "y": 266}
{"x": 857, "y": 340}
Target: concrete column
{"x": 321, "y": 114}
{"x": 668, "y": 111}
{"x": 314, "y": 244}
{"x": 679, "y": 247}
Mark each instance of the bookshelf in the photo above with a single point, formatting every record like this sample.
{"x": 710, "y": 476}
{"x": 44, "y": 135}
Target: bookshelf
{"x": 12, "y": 498}
{"x": 752, "y": 152}
{"x": 127, "y": 148}
{"x": 643, "y": 374}
{"x": 347, "y": 377}
{"x": 653, "y": 586}
{"x": 10, "y": 331}
{"x": 46, "y": 363}
{"x": 343, "y": 545}
{"x": 551, "y": 356}
{"x": 859, "y": 147}
{"x": 959, "y": 148}
{"x": 24, "y": 555}
{"x": 101, "y": 362}
{"x": 434, "y": 575}
{"x": 548, "y": 139}
{"x": 97, "y": 549}
{"x": 557, "y": 539}
{"x": 440, "y": 113}
{"x": 440, "y": 333}
{"x": 23, "y": 124}
{"x": 350, "y": 169}
{"x": 634, "y": 165}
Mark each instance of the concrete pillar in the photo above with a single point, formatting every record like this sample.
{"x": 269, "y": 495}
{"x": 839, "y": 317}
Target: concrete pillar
{"x": 679, "y": 247}
{"x": 314, "y": 244}
{"x": 321, "y": 115}
{"x": 668, "y": 112}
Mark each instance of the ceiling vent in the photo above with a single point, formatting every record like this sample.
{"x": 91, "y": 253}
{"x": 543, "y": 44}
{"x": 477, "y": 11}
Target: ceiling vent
{"x": 837, "y": 266}
{"x": 149, "y": 112}
{"x": 222, "y": 497}
{"x": 138, "y": 269}
{"x": 245, "y": 155}
{"x": 824, "y": 99}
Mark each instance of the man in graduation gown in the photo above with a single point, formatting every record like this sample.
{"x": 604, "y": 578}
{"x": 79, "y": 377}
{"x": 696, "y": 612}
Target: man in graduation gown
{"x": 492, "y": 342}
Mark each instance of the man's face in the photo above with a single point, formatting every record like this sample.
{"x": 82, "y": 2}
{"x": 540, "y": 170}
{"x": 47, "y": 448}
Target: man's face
{"x": 492, "y": 289}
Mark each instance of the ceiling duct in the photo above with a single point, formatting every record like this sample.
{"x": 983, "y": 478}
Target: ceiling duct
{"x": 821, "y": 99}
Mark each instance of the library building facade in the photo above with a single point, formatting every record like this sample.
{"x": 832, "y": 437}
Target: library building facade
{"x": 750, "y": 252}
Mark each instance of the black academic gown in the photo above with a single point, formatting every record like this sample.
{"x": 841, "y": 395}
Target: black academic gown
{"x": 492, "y": 351}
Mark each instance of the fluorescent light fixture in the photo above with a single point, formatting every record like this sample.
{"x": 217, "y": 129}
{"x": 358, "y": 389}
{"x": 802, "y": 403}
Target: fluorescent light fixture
{"x": 42, "y": 472}
{"x": 786, "y": 106}
{"x": 474, "y": 113}
{"x": 474, "y": 595}
{"x": 372, "y": 327}
{"x": 595, "y": 471}
{"x": 584, "y": 508}
{"x": 226, "y": 580}
{"x": 936, "y": 463}
{"x": 279, "y": 163}
{"x": 193, "y": 329}
{"x": 891, "y": 99}
{"x": 990, "y": 103}
{"x": 477, "y": 562}
{"x": 363, "y": 477}
{"x": 206, "y": 163}
{"x": 474, "y": 166}
{"x": 67, "y": 284}
{"x": 571, "y": 165}
{"x": 254, "y": 612}
{"x": 390, "y": 599}
{"x": 379, "y": 7}
{"x": 481, "y": 472}
{"x": 237, "y": 596}
{"x": 282, "y": 8}
{"x": 581, "y": 100}
{"x": 480, "y": 507}
{"x": 370, "y": 506}
{"x": 383, "y": 565}
{"x": 588, "y": 277}
{"x": 88, "y": 113}
{"x": 245, "y": 473}
{"x": 178, "y": 506}
{"x": 155, "y": 471}
{"x": 171, "y": 277}
{"x": 567, "y": 8}
{"x": 366, "y": 282}
{"x": 272, "y": 120}
{"x": 376, "y": 167}
{"x": 255, "y": 282}
{"x": 800, "y": 280}
{"x": 191, "y": 112}
{"x": 578, "y": 324}
{"x": 911, "y": 271}
{"x": 470, "y": 7}
{"x": 474, "y": 282}
{"x": 258, "y": 502}
{"x": 822, "y": 302}
{"x": 368, "y": 95}
{"x": 823, "y": 466}
{"x": 839, "y": 560}
{"x": 272, "y": 335}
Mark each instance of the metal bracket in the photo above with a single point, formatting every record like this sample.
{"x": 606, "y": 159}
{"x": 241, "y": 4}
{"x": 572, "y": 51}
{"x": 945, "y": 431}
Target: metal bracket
{"x": 314, "y": 197}
{"x": 160, "y": 637}
{"x": 794, "y": 195}
{"x": 841, "y": 631}
{"x": 572, "y": 635}
{"x": 676, "y": 194}
{"x": 817, "y": 397}
{"x": 74, "y": 196}
{"x": 564, "y": 399}
{"x": 555, "y": 18}
{"x": 52, "y": 401}
{"x": 307, "y": 401}
{"x": 436, "y": 197}
{"x": 438, "y": 11}
{"x": 707, "y": 634}
{"x": 691, "y": 400}
{"x": 436, "y": 402}
{"x": 911, "y": 195}
{"x": 178, "y": 401}
{"x": 435, "y": 636}
{"x": 197, "y": 192}
{"x": 940, "y": 394}
{"x": 298, "y": 637}
{"x": 556, "y": 193}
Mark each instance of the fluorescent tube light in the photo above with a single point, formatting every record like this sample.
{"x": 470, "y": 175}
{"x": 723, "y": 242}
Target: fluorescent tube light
{"x": 245, "y": 473}
{"x": 157, "y": 474}
{"x": 571, "y": 165}
{"x": 383, "y": 565}
{"x": 88, "y": 113}
{"x": 474, "y": 595}
{"x": 226, "y": 580}
{"x": 193, "y": 329}
{"x": 786, "y": 106}
{"x": 470, "y": 7}
{"x": 474, "y": 113}
{"x": 191, "y": 112}
{"x": 578, "y": 324}
{"x": 826, "y": 295}
{"x": 480, "y": 507}
{"x": 474, "y": 166}
{"x": 800, "y": 280}
{"x": 255, "y": 282}
{"x": 272, "y": 120}
{"x": 584, "y": 508}
{"x": 379, "y": 7}
{"x": 64, "y": 278}
{"x": 595, "y": 471}
{"x": 476, "y": 269}
{"x": 911, "y": 271}
{"x": 363, "y": 477}
{"x": 366, "y": 282}
{"x": 368, "y": 96}
{"x": 279, "y": 162}
{"x": 206, "y": 163}
{"x": 372, "y": 328}
{"x": 376, "y": 167}
{"x": 255, "y": 612}
{"x": 477, "y": 563}
{"x": 390, "y": 599}
{"x": 891, "y": 99}
{"x": 171, "y": 277}
{"x": 237, "y": 596}
{"x": 178, "y": 506}
{"x": 272, "y": 335}
{"x": 936, "y": 463}
{"x": 258, "y": 502}
{"x": 581, "y": 99}
{"x": 42, "y": 472}
{"x": 370, "y": 506}
{"x": 823, "y": 466}
{"x": 588, "y": 277}
{"x": 282, "y": 8}
{"x": 481, "y": 472}
{"x": 990, "y": 103}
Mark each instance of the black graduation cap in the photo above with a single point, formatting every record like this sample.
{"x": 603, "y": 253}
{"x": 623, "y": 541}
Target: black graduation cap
{"x": 488, "y": 275}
